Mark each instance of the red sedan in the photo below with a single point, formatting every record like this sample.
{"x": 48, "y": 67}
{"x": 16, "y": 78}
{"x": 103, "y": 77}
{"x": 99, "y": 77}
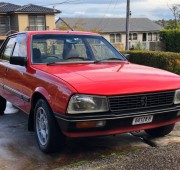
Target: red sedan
{"x": 76, "y": 84}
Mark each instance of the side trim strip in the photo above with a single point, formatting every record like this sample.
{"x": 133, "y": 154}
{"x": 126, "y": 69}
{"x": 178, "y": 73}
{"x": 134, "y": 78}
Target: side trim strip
{"x": 1, "y": 85}
{"x": 16, "y": 93}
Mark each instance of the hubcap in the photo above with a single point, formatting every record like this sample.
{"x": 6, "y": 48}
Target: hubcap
{"x": 42, "y": 126}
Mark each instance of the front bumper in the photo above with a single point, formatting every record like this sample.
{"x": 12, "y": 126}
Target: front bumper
{"x": 115, "y": 123}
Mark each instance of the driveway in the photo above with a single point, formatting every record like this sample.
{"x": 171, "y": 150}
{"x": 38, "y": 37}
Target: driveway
{"x": 19, "y": 150}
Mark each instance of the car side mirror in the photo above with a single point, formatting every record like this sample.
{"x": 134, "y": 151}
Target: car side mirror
{"x": 22, "y": 61}
{"x": 127, "y": 56}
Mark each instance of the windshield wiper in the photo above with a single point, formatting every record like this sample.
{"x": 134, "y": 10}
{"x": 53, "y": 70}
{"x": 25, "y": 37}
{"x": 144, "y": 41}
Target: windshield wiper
{"x": 72, "y": 62}
{"x": 52, "y": 63}
{"x": 98, "y": 61}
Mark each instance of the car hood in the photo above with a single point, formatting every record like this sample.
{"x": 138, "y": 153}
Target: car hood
{"x": 113, "y": 78}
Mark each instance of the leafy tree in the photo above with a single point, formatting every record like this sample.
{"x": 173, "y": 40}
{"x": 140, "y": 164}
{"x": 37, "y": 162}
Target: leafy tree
{"x": 95, "y": 30}
{"x": 175, "y": 23}
{"x": 79, "y": 25}
{"x": 63, "y": 26}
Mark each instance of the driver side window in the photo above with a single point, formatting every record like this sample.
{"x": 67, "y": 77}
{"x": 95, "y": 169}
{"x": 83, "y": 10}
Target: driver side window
{"x": 8, "y": 49}
{"x": 20, "y": 49}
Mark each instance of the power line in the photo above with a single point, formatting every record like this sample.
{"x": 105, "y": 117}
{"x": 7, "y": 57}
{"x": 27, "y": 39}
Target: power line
{"x": 107, "y": 21}
{"x": 107, "y": 9}
{"x": 65, "y": 2}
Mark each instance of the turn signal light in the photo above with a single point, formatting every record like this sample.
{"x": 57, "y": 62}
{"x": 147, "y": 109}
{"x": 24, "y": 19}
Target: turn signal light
{"x": 90, "y": 124}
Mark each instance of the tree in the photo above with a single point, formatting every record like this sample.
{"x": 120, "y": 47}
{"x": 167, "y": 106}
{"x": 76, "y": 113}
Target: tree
{"x": 95, "y": 30}
{"x": 175, "y": 23}
{"x": 78, "y": 25}
{"x": 63, "y": 26}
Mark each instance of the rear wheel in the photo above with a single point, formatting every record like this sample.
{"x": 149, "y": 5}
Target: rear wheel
{"x": 2, "y": 105}
{"x": 160, "y": 131}
{"x": 48, "y": 134}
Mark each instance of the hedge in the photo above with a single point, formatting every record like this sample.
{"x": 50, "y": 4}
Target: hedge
{"x": 171, "y": 38}
{"x": 164, "y": 60}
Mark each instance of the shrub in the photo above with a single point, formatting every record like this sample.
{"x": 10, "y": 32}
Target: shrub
{"x": 171, "y": 38}
{"x": 164, "y": 60}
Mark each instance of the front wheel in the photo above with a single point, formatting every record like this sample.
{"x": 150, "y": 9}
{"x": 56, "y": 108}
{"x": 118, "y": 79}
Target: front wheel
{"x": 2, "y": 105}
{"x": 47, "y": 131}
{"x": 160, "y": 131}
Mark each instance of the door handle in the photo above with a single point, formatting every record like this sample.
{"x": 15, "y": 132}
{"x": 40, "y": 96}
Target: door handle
{"x": 6, "y": 70}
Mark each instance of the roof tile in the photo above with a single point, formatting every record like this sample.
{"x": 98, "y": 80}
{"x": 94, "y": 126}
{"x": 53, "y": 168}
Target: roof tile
{"x": 8, "y": 7}
{"x": 113, "y": 24}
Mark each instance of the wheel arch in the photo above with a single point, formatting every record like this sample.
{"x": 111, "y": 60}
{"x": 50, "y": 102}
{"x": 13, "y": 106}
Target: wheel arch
{"x": 40, "y": 93}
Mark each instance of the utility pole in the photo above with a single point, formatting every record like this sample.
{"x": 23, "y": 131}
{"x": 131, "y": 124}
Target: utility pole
{"x": 127, "y": 24}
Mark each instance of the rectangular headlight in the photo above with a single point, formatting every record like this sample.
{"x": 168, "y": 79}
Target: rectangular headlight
{"x": 177, "y": 97}
{"x": 87, "y": 104}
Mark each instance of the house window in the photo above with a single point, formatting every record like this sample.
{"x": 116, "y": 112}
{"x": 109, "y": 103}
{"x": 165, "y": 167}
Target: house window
{"x": 37, "y": 22}
{"x": 149, "y": 36}
{"x": 133, "y": 36}
{"x": 118, "y": 37}
{"x": 115, "y": 38}
{"x": 144, "y": 37}
{"x": 112, "y": 38}
{"x": 4, "y": 25}
{"x": 155, "y": 37}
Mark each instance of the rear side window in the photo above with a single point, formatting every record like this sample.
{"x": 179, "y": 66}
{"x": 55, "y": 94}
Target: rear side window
{"x": 8, "y": 49}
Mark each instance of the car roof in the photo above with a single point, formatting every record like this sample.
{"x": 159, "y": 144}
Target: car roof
{"x": 57, "y": 32}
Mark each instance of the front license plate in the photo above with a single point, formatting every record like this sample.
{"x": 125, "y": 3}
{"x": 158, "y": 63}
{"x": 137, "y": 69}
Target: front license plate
{"x": 142, "y": 120}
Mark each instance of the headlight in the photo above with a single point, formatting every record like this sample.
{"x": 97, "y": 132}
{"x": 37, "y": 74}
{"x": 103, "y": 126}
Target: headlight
{"x": 87, "y": 104}
{"x": 177, "y": 97}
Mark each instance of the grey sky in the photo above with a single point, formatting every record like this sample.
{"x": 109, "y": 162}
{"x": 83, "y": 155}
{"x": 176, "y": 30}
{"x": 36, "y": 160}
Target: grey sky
{"x": 107, "y": 8}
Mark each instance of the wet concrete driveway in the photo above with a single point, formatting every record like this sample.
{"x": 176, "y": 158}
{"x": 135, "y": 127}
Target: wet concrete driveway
{"x": 19, "y": 150}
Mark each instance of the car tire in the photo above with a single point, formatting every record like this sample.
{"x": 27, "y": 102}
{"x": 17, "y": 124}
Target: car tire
{"x": 49, "y": 137}
{"x": 2, "y": 105}
{"x": 160, "y": 131}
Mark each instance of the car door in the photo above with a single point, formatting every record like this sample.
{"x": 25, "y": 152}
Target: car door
{"x": 13, "y": 79}
{"x": 5, "y": 53}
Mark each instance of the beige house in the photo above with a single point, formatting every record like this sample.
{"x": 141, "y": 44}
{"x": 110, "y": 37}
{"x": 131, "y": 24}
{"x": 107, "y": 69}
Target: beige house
{"x": 15, "y": 18}
{"x": 143, "y": 31}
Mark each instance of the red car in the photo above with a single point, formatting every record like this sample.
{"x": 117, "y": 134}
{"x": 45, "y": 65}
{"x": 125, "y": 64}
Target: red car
{"x": 76, "y": 84}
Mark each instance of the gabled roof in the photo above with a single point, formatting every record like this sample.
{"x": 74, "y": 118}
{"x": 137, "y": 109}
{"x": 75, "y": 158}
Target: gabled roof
{"x": 36, "y": 8}
{"x": 30, "y": 8}
{"x": 1, "y": 3}
{"x": 8, "y": 7}
{"x": 107, "y": 25}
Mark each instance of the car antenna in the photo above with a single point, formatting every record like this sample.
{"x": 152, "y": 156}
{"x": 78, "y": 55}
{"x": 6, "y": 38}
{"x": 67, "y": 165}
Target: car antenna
{"x": 66, "y": 24}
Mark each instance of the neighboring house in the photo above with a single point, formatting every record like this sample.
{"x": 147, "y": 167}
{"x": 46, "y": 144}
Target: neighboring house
{"x": 15, "y": 18}
{"x": 142, "y": 30}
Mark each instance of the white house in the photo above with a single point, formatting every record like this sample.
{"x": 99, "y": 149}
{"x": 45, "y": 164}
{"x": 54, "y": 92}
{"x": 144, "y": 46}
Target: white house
{"x": 142, "y": 30}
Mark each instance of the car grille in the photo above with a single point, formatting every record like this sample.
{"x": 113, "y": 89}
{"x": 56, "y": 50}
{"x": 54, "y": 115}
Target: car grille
{"x": 140, "y": 101}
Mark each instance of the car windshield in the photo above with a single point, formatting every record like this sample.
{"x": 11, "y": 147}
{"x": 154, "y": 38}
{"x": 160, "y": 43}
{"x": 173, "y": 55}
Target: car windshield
{"x": 54, "y": 48}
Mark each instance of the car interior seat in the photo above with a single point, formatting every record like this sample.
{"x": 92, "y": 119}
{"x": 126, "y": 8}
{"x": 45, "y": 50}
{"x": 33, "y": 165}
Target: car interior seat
{"x": 72, "y": 54}
{"x": 69, "y": 51}
{"x": 36, "y": 55}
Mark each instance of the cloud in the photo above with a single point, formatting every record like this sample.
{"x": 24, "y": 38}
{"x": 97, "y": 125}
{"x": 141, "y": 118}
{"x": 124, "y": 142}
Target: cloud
{"x": 108, "y": 8}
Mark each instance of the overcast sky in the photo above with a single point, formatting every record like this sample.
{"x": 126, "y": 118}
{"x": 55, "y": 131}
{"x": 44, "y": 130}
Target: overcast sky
{"x": 152, "y": 9}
